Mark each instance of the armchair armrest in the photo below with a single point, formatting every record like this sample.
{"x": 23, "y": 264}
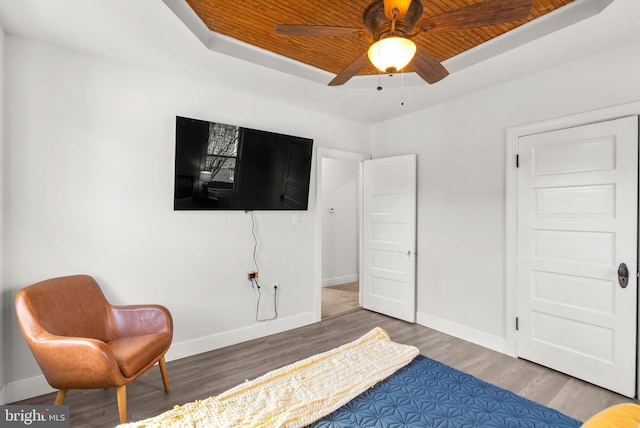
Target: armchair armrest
{"x": 76, "y": 362}
{"x": 138, "y": 320}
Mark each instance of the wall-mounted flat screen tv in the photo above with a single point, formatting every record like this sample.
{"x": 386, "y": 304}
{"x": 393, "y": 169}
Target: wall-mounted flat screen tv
{"x": 227, "y": 167}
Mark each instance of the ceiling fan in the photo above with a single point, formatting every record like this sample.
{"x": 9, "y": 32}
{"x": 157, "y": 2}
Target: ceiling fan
{"x": 391, "y": 24}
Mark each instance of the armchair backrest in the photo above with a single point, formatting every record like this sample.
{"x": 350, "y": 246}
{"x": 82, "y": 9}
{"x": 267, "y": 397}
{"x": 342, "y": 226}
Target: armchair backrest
{"x": 66, "y": 306}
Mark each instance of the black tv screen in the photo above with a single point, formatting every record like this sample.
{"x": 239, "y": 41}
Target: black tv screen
{"x": 227, "y": 167}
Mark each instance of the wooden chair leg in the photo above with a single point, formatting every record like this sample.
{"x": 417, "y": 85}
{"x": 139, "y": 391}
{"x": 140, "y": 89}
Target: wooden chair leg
{"x": 62, "y": 393}
{"x": 122, "y": 403}
{"x": 163, "y": 371}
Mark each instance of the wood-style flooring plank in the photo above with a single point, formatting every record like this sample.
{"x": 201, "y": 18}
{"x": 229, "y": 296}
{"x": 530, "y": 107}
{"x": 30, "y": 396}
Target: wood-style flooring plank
{"x": 211, "y": 373}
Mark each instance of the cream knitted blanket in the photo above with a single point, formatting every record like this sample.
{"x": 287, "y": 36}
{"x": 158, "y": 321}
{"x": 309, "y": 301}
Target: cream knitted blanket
{"x": 297, "y": 394}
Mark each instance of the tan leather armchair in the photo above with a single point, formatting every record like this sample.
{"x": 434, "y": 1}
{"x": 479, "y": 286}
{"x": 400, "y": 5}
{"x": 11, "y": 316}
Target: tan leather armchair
{"x": 81, "y": 341}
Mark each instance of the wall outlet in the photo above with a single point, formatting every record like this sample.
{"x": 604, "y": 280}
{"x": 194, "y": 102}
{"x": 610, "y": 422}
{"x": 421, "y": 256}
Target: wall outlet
{"x": 275, "y": 286}
{"x": 441, "y": 287}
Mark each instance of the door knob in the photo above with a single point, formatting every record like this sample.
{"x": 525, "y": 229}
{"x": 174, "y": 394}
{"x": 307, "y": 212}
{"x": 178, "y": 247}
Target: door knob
{"x": 623, "y": 275}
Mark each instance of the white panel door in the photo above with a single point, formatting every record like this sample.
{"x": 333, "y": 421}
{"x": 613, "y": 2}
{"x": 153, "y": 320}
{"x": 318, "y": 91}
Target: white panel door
{"x": 389, "y": 236}
{"x": 577, "y": 222}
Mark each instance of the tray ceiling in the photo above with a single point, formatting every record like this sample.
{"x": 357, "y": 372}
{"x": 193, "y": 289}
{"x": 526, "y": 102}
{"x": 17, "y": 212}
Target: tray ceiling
{"x": 253, "y": 23}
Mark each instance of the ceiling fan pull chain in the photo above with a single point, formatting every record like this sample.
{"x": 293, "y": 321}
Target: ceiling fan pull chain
{"x": 379, "y": 78}
{"x": 402, "y": 88}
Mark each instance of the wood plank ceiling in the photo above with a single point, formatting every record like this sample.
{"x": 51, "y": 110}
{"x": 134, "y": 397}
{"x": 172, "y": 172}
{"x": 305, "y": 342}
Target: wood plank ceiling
{"x": 253, "y": 22}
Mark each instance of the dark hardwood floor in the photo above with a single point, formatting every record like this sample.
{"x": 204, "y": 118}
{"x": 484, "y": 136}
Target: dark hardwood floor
{"x": 211, "y": 373}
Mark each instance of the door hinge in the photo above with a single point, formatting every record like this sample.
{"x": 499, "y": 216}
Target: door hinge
{"x": 517, "y": 323}
{"x": 517, "y": 161}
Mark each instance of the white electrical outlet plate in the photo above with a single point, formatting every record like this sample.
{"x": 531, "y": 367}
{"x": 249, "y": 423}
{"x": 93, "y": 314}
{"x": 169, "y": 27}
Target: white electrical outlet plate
{"x": 441, "y": 287}
{"x": 295, "y": 219}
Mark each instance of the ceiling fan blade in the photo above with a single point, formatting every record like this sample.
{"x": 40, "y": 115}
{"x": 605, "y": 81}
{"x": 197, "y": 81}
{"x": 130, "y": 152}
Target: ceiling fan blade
{"x": 318, "y": 30}
{"x": 400, "y": 5}
{"x": 489, "y": 12}
{"x": 428, "y": 67}
{"x": 350, "y": 71}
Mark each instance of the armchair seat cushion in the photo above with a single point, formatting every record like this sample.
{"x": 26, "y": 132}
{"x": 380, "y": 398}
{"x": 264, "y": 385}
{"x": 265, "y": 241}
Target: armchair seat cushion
{"x": 136, "y": 352}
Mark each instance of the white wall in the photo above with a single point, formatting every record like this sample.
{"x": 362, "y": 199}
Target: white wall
{"x": 2, "y": 172}
{"x": 89, "y": 154}
{"x": 461, "y": 181}
{"x": 340, "y": 227}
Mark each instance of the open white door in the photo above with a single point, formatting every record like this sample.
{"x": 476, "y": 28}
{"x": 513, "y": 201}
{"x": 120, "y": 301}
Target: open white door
{"x": 577, "y": 223}
{"x": 389, "y": 236}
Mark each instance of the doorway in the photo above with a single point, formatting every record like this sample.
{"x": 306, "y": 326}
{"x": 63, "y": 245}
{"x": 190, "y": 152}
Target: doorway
{"x": 339, "y": 208}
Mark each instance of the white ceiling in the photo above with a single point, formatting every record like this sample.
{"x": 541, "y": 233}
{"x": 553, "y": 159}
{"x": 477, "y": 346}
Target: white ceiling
{"x": 149, "y": 33}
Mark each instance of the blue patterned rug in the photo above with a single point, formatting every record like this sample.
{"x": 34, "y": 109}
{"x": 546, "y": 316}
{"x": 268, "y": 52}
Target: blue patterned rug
{"x": 426, "y": 393}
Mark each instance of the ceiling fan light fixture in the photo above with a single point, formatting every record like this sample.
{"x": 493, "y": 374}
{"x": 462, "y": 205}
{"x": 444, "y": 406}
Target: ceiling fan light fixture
{"x": 391, "y": 54}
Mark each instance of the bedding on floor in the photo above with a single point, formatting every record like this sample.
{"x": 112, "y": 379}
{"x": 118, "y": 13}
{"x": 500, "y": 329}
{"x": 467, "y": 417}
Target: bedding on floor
{"x": 297, "y": 394}
{"x": 426, "y": 393}
{"x": 370, "y": 382}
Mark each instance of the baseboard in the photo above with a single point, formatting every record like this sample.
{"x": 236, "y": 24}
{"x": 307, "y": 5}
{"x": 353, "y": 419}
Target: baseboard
{"x": 330, "y": 282}
{"x": 25, "y": 388}
{"x": 491, "y": 341}
{"x": 36, "y": 386}
{"x": 232, "y": 337}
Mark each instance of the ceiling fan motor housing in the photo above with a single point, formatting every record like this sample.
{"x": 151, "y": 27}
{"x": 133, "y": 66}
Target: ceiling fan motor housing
{"x": 380, "y": 25}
